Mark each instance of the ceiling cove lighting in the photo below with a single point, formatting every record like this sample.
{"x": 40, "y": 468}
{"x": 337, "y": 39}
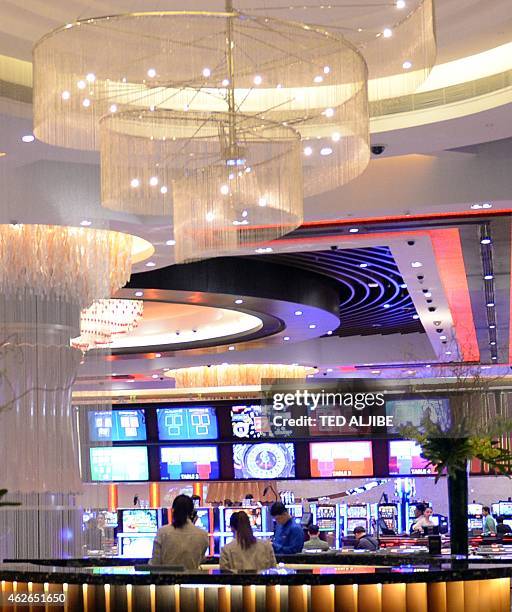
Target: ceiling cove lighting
{"x": 279, "y": 74}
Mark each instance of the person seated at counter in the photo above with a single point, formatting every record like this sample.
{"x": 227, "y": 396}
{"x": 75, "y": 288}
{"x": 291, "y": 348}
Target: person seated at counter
{"x": 246, "y": 552}
{"x": 422, "y": 518}
{"x": 501, "y": 528}
{"x": 93, "y": 535}
{"x": 288, "y": 536}
{"x": 314, "y": 542}
{"x": 181, "y": 543}
{"x": 364, "y": 541}
{"x": 489, "y": 524}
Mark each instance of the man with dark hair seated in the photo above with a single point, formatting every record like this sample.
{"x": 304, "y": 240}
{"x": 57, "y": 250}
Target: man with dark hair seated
{"x": 288, "y": 536}
{"x": 314, "y": 542}
{"x": 501, "y": 528}
{"x": 364, "y": 541}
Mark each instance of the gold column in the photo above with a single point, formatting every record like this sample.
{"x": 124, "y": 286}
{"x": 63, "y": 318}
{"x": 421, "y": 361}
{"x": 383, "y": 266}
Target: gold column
{"x": 455, "y": 597}
{"x": 394, "y": 598}
{"x": 416, "y": 597}
{"x": 273, "y": 598}
{"x": 298, "y": 598}
{"x": 322, "y": 598}
{"x": 369, "y": 598}
{"x": 436, "y": 597}
{"x": 224, "y": 598}
{"x": 345, "y": 598}
{"x": 249, "y": 598}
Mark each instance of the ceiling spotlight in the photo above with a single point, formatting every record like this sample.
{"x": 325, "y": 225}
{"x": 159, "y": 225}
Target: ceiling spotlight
{"x": 170, "y": 242}
{"x": 298, "y": 313}
{"x": 154, "y": 376}
{"x": 492, "y": 343}
{"x": 150, "y": 264}
{"x": 416, "y": 264}
{"x": 492, "y": 326}
{"x": 327, "y": 69}
{"x": 206, "y": 72}
{"x": 488, "y": 276}
{"x": 494, "y": 358}
{"x": 485, "y": 240}
{"x": 244, "y": 213}
{"x": 448, "y": 353}
{"x": 475, "y": 206}
{"x": 312, "y": 326}
{"x": 224, "y": 189}
{"x": 329, "y": 112}
{"x": 387, "y": 32}
{"x": 134, "y": 182}
{"x": 363, "y": 265}
{"x": 86, "y": 103}
{"x": 286, "y": 338}
{"x": 90, "y": 78}
{"x": 428, "y": 365}
{"x": 336, "y": 136}
{"x": 81, "y": 84}
{"x": 28, "y": 138}
{"x": 151, "y": 73}
{"x": 258, "y": 80}
{"x": 318, "y": 79}
{"x": 225, "y": 82}
{"x": 66, "y": 95}
{"x": 400, "y": 4}
{"x": 210, "y": 216}
{"x": 163, "y": 189}
{"x": 325, "y": 151}
{"x": 329, "y": 370}
{"x": 353, "y": 230}
{"x": 139, "y": 293}
{"x": 113, "y": 108}
{"x": 386, "y": 306}
{"x": 403, "y": 286}
{"x": 231, "y": 348}
{"x": 490, "y": 304}
{"x": 415, "y": 316}
{"x": 262, "y": 201}
{"x": 329, "y": 333}
{"x": 407, "y": 65}
{"x": 308, "y": 151}
{"x": 239, "y": 301}
{"x": 153, "y": 181}
{"x": 373, "y": 285}
{"x": 375, "y": 371}
{"x": 428, "y": 294}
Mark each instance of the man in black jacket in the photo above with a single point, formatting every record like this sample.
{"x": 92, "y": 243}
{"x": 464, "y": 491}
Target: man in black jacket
{"x": 364, "y": 541}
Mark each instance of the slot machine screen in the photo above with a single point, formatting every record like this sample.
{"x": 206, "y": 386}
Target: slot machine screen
{"x": 254, "y": 514}
{"x": 267, "y": 460}
{"x": 475, "y": 509}
{"x": 139, "y": 520}
{"x": 117, "y": 425}
{"x": 249, "y": 423}
{"x": 505, "y": 508}
{"x": 136, "y": 547}
{"x": 203, "y": 519}
{"x": 337, "y": 459}
{"x": 189, "y": 463}
{"x": 357, "y": 512}
{"x": 192, "y": 423}
{"x": 405, "y": 459}
{"x": 306, "y": 519}
{"x": 475, "y": 524}
{"x": 352, "y": 523}
{"x": 508, "y": 522}
{"x": 110, "y": 519}
{"x": 119, "y": 463}
{"x": 326, "y": 517}
{"x": 296, "y": 510}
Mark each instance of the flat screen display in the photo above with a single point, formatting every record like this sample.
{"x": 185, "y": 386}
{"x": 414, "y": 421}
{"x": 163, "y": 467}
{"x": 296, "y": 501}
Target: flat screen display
{"x": 356, "y": 512}
{"x": 118, "y": 463}
{"x": 267, "y": 460}
{"x": 405, "y": 459}
{"x": 411, "y": 412}
{"x": 136, "y": 546}
{"x": 505, "y": 508}
{"x": 139, "y": 520}
{"x": 117, "y": 426}
{"x": 203, "y": 519}
{"x": 193, "y": 423}
{"x": 475, "y": 523}
{"x": 254, "y": 514}
{"x": 248, "y": 422}
{"x": 323, "y": 512}
{"x": 189, "y": 463}
{"x": 352, "y": 523}
{"x": 475, "y": 509}
{"x": 338, "y": 459}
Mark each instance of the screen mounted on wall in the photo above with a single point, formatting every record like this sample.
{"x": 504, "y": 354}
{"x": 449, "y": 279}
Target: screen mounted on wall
{"x": 191, "y": 423}
{"x": 267, "y": 460}
{"x": 189, "y": 463}
{"x": 338, "y": 459}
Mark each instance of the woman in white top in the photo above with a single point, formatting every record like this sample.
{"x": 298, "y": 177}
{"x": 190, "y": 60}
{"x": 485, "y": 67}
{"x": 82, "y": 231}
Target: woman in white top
{"x": 423, "y": 514}
{"x": 246, "y": 552}
{"x": 181, "y": 543}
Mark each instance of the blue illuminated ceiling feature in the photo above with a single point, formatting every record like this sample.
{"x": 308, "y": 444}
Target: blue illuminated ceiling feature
{"x": 373, "y": 298}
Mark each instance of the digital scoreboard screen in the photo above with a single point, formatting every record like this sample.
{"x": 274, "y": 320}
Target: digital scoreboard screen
{"x": 192, "y": 423}
{"x": 339, "y": 459}
{"x": 405, "y": 459}
{"x": 117, "y": 425}
{"x": 248, "y": 422}
{"x": 189, "y": 463}
{"x": 119, "y": 463}
{"x": 266, "y": 461}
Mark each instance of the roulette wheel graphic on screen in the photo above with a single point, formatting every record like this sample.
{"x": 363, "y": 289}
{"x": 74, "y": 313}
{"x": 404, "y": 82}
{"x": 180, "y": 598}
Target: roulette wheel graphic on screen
{"x": 266, "y": 461}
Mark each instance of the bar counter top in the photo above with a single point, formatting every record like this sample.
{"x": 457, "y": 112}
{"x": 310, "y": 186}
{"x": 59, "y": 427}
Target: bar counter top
{"x": 296, "y": 574}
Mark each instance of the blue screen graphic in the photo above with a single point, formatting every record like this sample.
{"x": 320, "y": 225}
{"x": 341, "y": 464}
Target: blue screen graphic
{"x": 189, "y": 463}
{"x": 117, "y": 426}
{"x": 187, "y": 423}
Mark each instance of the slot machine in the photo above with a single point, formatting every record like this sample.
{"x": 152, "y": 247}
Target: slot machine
{"x": 326, "y": 517}
{"x": 387, "y": 518}
{"x": 205, "y": 520}
{"x": 357, "y": 516}
{"x": 296, "y": 511}
{"x": 475, "y": 519}
{"x": 137, "y": 529}
{"x": 257, "y": 518}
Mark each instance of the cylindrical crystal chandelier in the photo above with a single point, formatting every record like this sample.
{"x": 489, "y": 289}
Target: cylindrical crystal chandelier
{"x": 236, "y": 375}
{"x": 105, "y": 319}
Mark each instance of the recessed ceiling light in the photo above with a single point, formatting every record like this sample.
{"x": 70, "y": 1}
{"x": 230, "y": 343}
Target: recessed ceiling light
{"x": 225, "y": 82}
{"x": 485, "y": 240}
{"x": 151, "y": 73}
{"x": 488, "y": 276}
{"x": 262, "y": 201}
{"x": 150, "y": 264}
{"x": 286, "y": 338}
{"x": 66, "y": 95}
{"x": 206, "y": 72}
{"x": 134, "y": 183}
{"x": 363, "y": 265}
{"x": 353, "y": 230}
{"x": 312, "y": 326}
{"x": 239, "y": 301}
{"x": 329, "y": 112}
{"x": 492, "y": 343}
{"x": 170, "y": 242}
{"x": 407, "y": 65}
{"x": 308, "y": 151}
{"x": 442, "y": 337}
{"x": 329, "y": 370}
{"x": 224, "y": 189}
{"x": 490, "y": 304}
{"x": 403, "y": 286}
{"x": 28, "y": 138}
{"x": 153, "y": 181}
{"x": 428, "y": 365}
{"x": 157, "y": 355}
{"x": 86, "y": 103}
{"x": 297, "y": 313}
{"x": 90, "y": 78}
{"x": 231, "y": 348}
{"x": 139, "y": 293}
{"x": 428, "y": 294}
{"x": 448, "y": 352}
{"x": 318, "y": 79}
{"x": 416, "y": 264}
{"x": 492, "y": 326}
{"x": 475, "y": 206}
{"x": 373, "y": 285}
{"x": 494, "y": 358}
{"x": 85, "y": 223}
{"x": 329, "y": 333}
{"x": 154, "y": 376}
{"x": 375, "y": 371}
{"x": 400, "y": 4}
{"x": 415, "y": 316}
{"x": 335, "y": 136}
{"x": 387, "y": 32}
{"x": 258, "y": 80}
{"x": 210, "y": 216}
{"x": 386, "y": 306}
{"x": 81, "y": 84}
{"x": 325, "y": 151}
{"x": 113, "y": 108}
{"x": 327, "y": 69}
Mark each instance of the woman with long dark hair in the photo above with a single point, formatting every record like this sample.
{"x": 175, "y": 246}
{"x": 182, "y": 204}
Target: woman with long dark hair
{"x": 246, "y": 552}
{"x": 181, "y": 543}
